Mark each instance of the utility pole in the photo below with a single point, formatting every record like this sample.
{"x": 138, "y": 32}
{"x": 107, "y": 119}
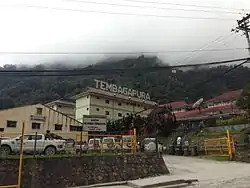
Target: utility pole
{"x": 244, "y": 26}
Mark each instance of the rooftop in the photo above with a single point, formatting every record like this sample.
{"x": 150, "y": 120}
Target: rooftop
{"x": 178, "y": 104}
{"x": 64, "y": 101}
{"x": 208, "y": 111}
{"x": 111, "y": 95}
{"x": 227, "y": 96}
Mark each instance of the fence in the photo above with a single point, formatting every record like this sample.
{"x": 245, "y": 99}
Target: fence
{"x": 107, "y": 143}
{"x": 223, "y": 146}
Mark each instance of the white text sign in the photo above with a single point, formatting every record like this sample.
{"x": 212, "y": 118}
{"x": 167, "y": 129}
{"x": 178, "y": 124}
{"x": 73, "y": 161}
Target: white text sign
{"x": 121, "y": 90}
{"x": 95, "y": 123}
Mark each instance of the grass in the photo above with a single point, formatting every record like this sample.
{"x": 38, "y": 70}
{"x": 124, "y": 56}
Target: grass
{"x": 215, "y": 158}
{"x": 16, "y": 157}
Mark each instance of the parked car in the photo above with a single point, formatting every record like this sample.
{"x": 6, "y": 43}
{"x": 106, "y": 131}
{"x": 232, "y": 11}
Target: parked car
{"x": 43, "y": 146}
{"x": 127, "y": 143}
{"x": 149, "y": 145}
{"x": 94, "y": 144}
{"x": 82, "y": 148}
{"x": 110, "y": 144}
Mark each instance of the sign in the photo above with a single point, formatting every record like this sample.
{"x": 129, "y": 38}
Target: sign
{"x": 37, "y": 118}
{"x": 121, "y": 90}
{"x": 95, "y": 123}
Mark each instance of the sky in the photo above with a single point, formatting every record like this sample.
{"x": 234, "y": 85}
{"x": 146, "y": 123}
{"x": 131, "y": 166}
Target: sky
{"x": 93, "y": 26}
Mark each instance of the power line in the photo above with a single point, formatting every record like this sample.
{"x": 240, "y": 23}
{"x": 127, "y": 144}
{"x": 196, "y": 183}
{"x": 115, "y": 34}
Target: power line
{"x": 185, "y": 5}
{"x": 205, "y": 45}
{"x": 99, "y": 71}
{"x": 116, "y": 53}
{"x": 120, "y": 13}
{"x": 207, "y": 81}
{"x": 150, "y": 7}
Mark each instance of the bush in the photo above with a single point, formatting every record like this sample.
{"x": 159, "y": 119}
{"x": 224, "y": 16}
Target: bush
{"x": 232, "y": 121}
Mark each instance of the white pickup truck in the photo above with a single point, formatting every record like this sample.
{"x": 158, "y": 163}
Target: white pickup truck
{"x": 45, "y": 146}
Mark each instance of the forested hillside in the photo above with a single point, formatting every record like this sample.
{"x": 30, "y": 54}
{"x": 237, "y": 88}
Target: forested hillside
{"x": 163, "y": 85}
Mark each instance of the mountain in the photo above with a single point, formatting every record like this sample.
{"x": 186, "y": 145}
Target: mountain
{"x": 163, "y": 85}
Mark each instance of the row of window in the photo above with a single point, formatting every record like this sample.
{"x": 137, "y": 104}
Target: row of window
{"x": 58, "y": 127}
{"x": 120, "y": 104}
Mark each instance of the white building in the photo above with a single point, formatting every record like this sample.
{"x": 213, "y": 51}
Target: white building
{"x": 114, "y": 105}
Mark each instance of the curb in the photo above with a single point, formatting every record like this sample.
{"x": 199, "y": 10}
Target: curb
{"x": 179, "y": 182}
{"x": 104, "y": 184}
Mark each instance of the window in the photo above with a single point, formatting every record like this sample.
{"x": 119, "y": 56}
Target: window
{"x": 97, "y": 109}
{"x": 35, "y": 137}
{"x": 11, "y": 124}
{"x": 75, "y": 128}
{"x": 36, "y": 125}
{"x": 127, "y": 114}
{"x": 107, "y": 113}
{"x": 87, "y": 109}
{"x": 119, "y": 114}
{"x": 139, "y": 105}
{"x": 39, "y": 111}
{"x": 58, "y": 127}
{"x": 98, "y": 97}
{"x": 1, "y": 129}
{"x": 119, "y": 104}
{"x": 107, "y": 101}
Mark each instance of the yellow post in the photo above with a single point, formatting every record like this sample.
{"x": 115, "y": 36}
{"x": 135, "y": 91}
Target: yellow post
{"x": 21, "y": 158}
{"x": 135, "y": 142}
{"x": 229, "y": 145}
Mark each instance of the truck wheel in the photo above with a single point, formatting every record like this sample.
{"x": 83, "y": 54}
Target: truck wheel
{"x": 50, "y": 150}
{"x": 5, "y": 150}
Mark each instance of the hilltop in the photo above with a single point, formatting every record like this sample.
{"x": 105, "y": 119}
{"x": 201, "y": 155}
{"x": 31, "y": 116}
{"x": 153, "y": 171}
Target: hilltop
{"x": 164, "y": 85}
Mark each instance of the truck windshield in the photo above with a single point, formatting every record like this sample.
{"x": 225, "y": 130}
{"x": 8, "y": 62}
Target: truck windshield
{"x": 108, "y": 140}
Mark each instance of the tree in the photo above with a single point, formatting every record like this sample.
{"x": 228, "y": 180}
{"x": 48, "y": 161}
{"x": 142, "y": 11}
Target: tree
{"x": 244, "y": 101}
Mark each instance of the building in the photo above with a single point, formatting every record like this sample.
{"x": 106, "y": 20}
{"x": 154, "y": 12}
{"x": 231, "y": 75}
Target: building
{"x": 227, "y": 98}
{"x": 178, "y": 106}
{"x": 114, "y": 105}
{"x": 38, "y": 118}
{"x": 65, "y": 106}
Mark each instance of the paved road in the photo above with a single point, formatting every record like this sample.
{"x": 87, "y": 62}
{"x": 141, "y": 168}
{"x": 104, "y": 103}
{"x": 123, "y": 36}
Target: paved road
{"x": 211, "y": 174}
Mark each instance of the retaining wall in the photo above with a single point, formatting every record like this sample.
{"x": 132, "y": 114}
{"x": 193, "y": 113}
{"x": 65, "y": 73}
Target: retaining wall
{"x": 85, "y": 170}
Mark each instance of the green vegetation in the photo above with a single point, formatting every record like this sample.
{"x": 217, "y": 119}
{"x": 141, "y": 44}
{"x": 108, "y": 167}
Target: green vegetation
{"x": 216, "y": 158}
{"x": 231, "y": 121}
{"x": 182, "y": 85}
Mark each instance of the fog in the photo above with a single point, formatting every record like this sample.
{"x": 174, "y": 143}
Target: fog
{"x": 62, "y": 27}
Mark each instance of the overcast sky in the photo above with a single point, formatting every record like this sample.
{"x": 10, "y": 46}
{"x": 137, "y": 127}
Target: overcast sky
{"x": 60, "y": 26}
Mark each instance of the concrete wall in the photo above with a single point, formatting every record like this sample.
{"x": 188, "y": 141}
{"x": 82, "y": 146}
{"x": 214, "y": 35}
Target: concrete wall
{"x": 86, "y": 170}
{"x": 29, "y": 114}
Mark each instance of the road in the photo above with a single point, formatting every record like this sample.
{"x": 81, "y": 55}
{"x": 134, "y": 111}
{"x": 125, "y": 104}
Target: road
{"x": 211, "y": 174}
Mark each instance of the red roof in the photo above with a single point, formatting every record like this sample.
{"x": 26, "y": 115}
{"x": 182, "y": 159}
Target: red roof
{"x": 206, "y": 111}
{"x": 178, "y": 104}
{"x": 228, "y": 96}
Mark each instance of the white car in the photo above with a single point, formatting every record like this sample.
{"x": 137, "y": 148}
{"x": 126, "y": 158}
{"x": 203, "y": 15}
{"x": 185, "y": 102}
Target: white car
{"x": 94, "y": 144}
{"x": 110, "y": 144}
{"x": 150, "y": 145}
{"x": 45, "y": 146}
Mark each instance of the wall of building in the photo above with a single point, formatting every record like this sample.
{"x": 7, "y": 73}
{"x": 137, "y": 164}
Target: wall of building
{"x": 82, "y": 107}
{"x": 79, "y": 171}
{"x": 112, "y": 108}
{"x": 68, "y": 110}
{"x": 37, "y": 118}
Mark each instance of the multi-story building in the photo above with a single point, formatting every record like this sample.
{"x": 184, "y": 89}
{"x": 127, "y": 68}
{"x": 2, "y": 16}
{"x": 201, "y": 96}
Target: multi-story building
{"x": 38, "y": 118}
{"x": 113, "y": 105}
